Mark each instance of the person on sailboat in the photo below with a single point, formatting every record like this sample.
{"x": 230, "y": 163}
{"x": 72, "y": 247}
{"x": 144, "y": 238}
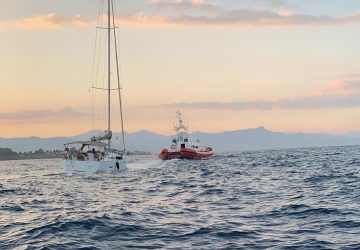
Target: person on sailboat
{"x": 95, "y": 154}
{"x": 66, "y": 154}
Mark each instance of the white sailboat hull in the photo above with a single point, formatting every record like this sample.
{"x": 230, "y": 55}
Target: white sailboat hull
{"x": 92, "y": 167}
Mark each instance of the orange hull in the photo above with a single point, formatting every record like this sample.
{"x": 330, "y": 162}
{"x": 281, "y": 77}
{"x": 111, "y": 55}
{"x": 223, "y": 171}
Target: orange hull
{"x": 185, "y": 153}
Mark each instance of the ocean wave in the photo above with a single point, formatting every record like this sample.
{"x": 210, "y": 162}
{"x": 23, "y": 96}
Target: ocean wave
{"x": 277, "y": 199}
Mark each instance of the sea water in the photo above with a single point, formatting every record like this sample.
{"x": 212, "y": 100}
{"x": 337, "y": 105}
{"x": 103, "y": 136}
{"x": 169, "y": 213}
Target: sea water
{"x": 281, "y": 199}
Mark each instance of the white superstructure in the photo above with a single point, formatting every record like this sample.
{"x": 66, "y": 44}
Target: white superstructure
{"x": 182, "y": 138}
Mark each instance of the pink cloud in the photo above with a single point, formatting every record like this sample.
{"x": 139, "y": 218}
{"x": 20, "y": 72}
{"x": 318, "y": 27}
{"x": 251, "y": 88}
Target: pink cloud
{"x": 41, "y": 114}
{"x": 197, "y": 2}
{"x": 51, "y": 20}
{"x": 234, "y": 18}
{"x": 185, "y": 13}
{"x": 340, "y": 88}
{"x": 344, "y": 94}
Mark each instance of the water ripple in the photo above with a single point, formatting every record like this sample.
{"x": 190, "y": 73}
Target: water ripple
{"x": 276, "y": 199}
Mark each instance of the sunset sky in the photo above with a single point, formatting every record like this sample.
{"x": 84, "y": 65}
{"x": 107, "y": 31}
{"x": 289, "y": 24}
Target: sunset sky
{"x": 288, "y": 65}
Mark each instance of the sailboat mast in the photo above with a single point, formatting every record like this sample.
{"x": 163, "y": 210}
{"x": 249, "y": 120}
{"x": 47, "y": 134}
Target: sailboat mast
{"x": 118, "y": 79}
{"x": 109, "y": 66}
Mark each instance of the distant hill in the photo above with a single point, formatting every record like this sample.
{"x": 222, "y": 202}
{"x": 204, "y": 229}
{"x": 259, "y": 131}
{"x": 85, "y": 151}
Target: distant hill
{"x": 138, "y": 141}
{"x": 248, "y": 139}
{"x": 261, "y": 138}
{"x": 353, "y": 134}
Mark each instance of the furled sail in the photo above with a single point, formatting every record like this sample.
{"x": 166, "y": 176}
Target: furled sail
{"x": 106, "y": 136}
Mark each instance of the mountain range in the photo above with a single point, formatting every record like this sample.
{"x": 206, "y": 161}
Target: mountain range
{"x": 240, "y": 140}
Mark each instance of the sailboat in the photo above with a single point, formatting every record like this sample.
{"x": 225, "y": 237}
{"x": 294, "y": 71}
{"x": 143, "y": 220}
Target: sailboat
{"x": 184, "y": 145}
{"x": 97, "y": 154}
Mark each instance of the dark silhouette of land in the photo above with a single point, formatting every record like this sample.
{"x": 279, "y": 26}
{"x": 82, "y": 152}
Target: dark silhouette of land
{"x": 8, "y": 154}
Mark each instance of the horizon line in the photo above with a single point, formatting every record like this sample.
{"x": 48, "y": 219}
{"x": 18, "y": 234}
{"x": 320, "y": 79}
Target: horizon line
{"x": 197, "y": 131}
